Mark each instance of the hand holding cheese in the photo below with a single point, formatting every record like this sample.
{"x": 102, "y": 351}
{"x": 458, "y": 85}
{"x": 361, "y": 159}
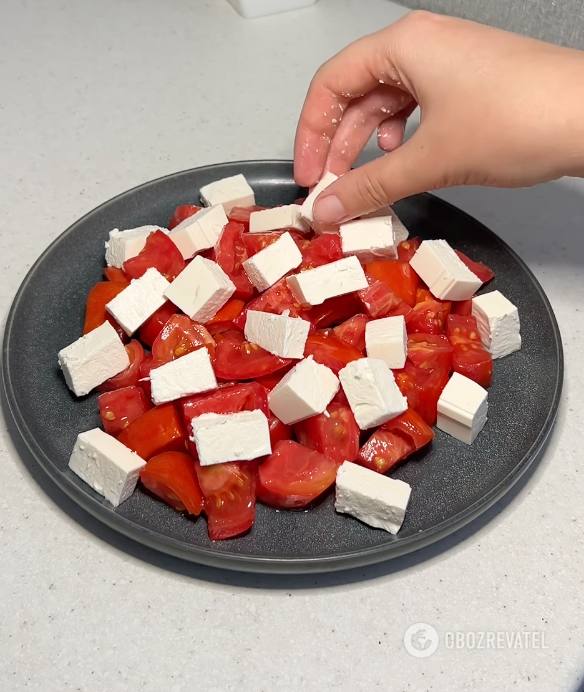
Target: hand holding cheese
{"x": 506, "y": 118}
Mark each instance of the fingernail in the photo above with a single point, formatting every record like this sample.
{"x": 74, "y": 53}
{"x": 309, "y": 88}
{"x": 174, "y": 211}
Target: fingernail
{"x": 329, "y": 210}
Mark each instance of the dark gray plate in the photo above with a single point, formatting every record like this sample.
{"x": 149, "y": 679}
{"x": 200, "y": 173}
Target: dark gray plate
{"x": 452, "y": 483}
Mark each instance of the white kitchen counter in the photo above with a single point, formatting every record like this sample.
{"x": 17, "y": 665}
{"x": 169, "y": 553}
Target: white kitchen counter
{"x": 97, "y": 97}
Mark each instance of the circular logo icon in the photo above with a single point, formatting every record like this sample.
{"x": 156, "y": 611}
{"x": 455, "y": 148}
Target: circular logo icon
{"x": 421, "y": 640}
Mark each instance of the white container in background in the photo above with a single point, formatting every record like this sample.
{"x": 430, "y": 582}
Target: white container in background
{"x": 250, "y": 9}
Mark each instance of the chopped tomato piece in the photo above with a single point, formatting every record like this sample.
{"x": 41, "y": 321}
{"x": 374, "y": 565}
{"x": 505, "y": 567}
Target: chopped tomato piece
{"x": 353, "y": 331}
{"x": 115, "y": 274}
{"x": 269, "y": 381}
{"x": 171, "y": 476}
{"x": 130, "y": 376}
{"x": 428, "y": 351}
{"x": 427, "y": 317}
{"x": 229, "y": 492}
{"x": 322, "y": 249}
{"x": 407, "y": 249}
{"x": 238, "y": 359}
{"x": 230, "y": 254}
{"x": 470, "y": 357}
{"x": 423, "y": 295}
{"x": 380, "y": 301}
{"x": 278, "y": 431}
{"x": 154, "y": 324}
{"x": 95, "y": 312}
{"x": 158, "y": 430}
{"x": 333, "y": 433}
{"x": 399, "y": 277}
{"x": 254, "y": 242}
{"x": 276, "y": 299}
{"x": 179, "y": 336}
{"x": 182, "y": 213}
{"x": 228, "y": 312}
{"x": 334, "y": 311}
{"x": 147, "y": 365}
{"x": 241, "y": 215}
{"x": 462, "y": 307}
{"x": 121, "y": 407}
{"x": 331, "y": 351}
{"x": 293, "y": 476}
{"x": 160, "y": 253}
{"x": 422, "y": 388}
{"x": 479, "y": 269}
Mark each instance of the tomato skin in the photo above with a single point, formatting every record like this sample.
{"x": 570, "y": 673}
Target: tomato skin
{"x": 353, "y": 331}
{"x": 130, "y": 376}
{"x": 154, "y": 324}
{"x": 428, "y": 351}
{"x": 278, "y": 431}
{"x": 331, "y": 351}
{"x": 237, "y": 359}
{"x": 334, "y": 310}
{"x": 275, "y": 300}
{"x": 158, "y": 430}
{"x": 160, "y": 253}
{"x": 422, "y": 388}
{"x": 322, "y": 249}
{"x": 229, "y": 492}
{"x": 241, "y": 215}
{"x": 407, "y": 249}
{"x": 293, "y": 476}
{"x": 470, "y": 359}
{"x": 230, "y": 254}
{"x": 462, "y": 307}
{"x": 147, "y": 365}
{"x": 179, "y": 336}
{"x": 427, "y": 317}
{"x": 171, "y": 476}
{"x": 479, "y": 269}
{"x": 380, "y": 301}
{"x": 398, "y": 276}
{"x": 116, "y": 275}
{"x": 121, "y": 407}
{"x": 334, "y": 433}
{"x": 182, "y": 213}
{"x": 95, "y": 312}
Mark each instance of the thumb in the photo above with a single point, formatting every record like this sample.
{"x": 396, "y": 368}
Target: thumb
{"x": 406, "y": 171}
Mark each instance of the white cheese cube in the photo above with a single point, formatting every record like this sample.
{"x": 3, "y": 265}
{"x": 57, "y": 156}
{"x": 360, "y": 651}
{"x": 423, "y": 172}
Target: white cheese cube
{"x": 226, "y": 437}
{"x": 306, "y": 210}
{"x": 139, "y": 301}
{"x": 314, "y": 286}
{"x": 288, "y": 216}
{"x": 123, "y": 245}
{"x": 187, "y": 375}
{"x": 105, "y": 464}
{"x": 201, "y": 289}
{"x": 93, "y": 359}
{"x": 373, "y": 395}
{"x": 400, "y": 232}
{"x": 270, "y": 264}
{"x": 279, "y": 334}
{"x": 200, "y": 231}
{"x": 387, "y": 340}
{"x": 374, "y": 499}
{"x": 303, "y": 392}
{"x": 462, "y": 408}
{"x": 498, "y": 322}
{"x": 369, "y": 239}
{"x": 229, "y": 192}
{"x": 445, "y": 274}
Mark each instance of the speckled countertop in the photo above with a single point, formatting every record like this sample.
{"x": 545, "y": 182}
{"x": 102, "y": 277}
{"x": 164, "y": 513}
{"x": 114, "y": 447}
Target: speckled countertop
{"x": 97, "y": 97}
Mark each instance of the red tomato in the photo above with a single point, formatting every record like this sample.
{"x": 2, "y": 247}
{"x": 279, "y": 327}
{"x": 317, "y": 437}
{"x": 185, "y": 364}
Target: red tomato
{"x": 278, "y": 431}
{"x": 422, "y": 388}
{"x": 159, "y": 252}
{"x": 479, "y": 269}
{"x": 95, "y": 312}
{"x": 394, "y": 441}
{"x": 399, "y": 277}
{"x": 334, "y": 311}
{"x": 331, "y": 351}
{"x": 119, "y": 408}
{"x": 171, "y": 476}
{"x": 228, "y": 312}
{"x": 427, "y": 317}
{"x": 380, "y": 301}
{"x": 407, "y": 249}
{"x": 158, "y": 430}
{"x": 269, "y": 381}
{"x": 293, "y": 476}
{"x": 115, "y": 274}
{"x": 238, "y": 359}
{"x": 229, "y": 492}
{"x": 241, "y": 215}
{"x": 462, "y": 307}
{"x": 153, "y": 325}
{"x": 148, "y": 364}
{"x": 230, "y": 254}
{"x": 353, "y": 331}
{"x": 428, "y": 351}
{"x": 179, "y": 336}
{"x": 423, "y": 295}
{"x": 333, "y": 433}
{"x": 470, "y": 357}
{"x": 130, "y": 376}
{"x": 182, "y": 213}
{"x": 254, "y": 242}
{"x": 322, "y": 249}
{"x": 275, "y": 300}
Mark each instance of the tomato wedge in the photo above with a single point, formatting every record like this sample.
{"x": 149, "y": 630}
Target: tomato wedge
{"x": 479, "y": 269}
{"x": 380, "y": 301}
{"x": 407, "y": 249}
{"x": 229, "y": 492}
{"x": 241, "y": 215}
{"x": 115, "y": 274}
{"x": 154, "y": 324}
{"x": 230, "y": 254}
{"x": 171, "y": 476}
{"x": 322, "y": 249}
{"x": 179, "y": 336}
{"x": 160, "y": 253}
{"x": 470, "y": 357}
{"x": 422, "y": 388}
{"x": 254, "y": 242}
{"x": 353, "y": 331}
{"x": 182, "y": 213}
{"x": 329, "y": 350}
{"x": 130, "y": 376}
{"x": 275, "y": 300}
{"x": 333, "y": 433}
{"x": 399, "y": 277}
{"x": 147, "y": 365}
{"x": 158, "y": 430}
{"x": 121, "y": 407}
{"x": 334, "y": 311}
{"x": 278, "y": 431}
{"x": 462, "y": 307}
{"x": 427, "y": 317}
{"x": 293, "y": 476}
{"x": 238, "y": 359}
{"x": 95, "y": 312}
{"x": 428, "y": 351}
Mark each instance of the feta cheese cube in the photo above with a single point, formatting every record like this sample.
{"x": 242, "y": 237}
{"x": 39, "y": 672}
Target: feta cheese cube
{"x": 230, "y": 192}
{"x": 187, "y": 375}
{"x": 498, "y": 322}
{"x": 445, "y": 274}
{"x": 200, "y": 231}
{"x": 135, "y": 304}
{"x": 281, "y": 335}
{"x": 201, "y": 289}
{"x": 369, "y": 239}
{"x": 123, "y": 245}
{"x": 373, "y": 395}
{"x": 314, "y": 286}
{"x": 387, "y": 340}
{"x": 288, "y": 216}
{"x": 306, "y": 210}
{"x": 93, "y": 359}
{"x": 374, "y": 499}
{"x": 226, "y": 437}
{"x": 105, "y": 464}
{"x": 462, "y": 408}
{"x": 400, "y": 232}
{"x": 303, "y": 392}
{"x": 270, "y": 264}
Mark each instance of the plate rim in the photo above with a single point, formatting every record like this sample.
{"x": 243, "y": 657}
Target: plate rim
{"x": 217, "y": 557}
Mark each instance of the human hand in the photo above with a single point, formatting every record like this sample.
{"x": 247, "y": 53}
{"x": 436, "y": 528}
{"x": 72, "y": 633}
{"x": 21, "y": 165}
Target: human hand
{"x": 497, "y": 109}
